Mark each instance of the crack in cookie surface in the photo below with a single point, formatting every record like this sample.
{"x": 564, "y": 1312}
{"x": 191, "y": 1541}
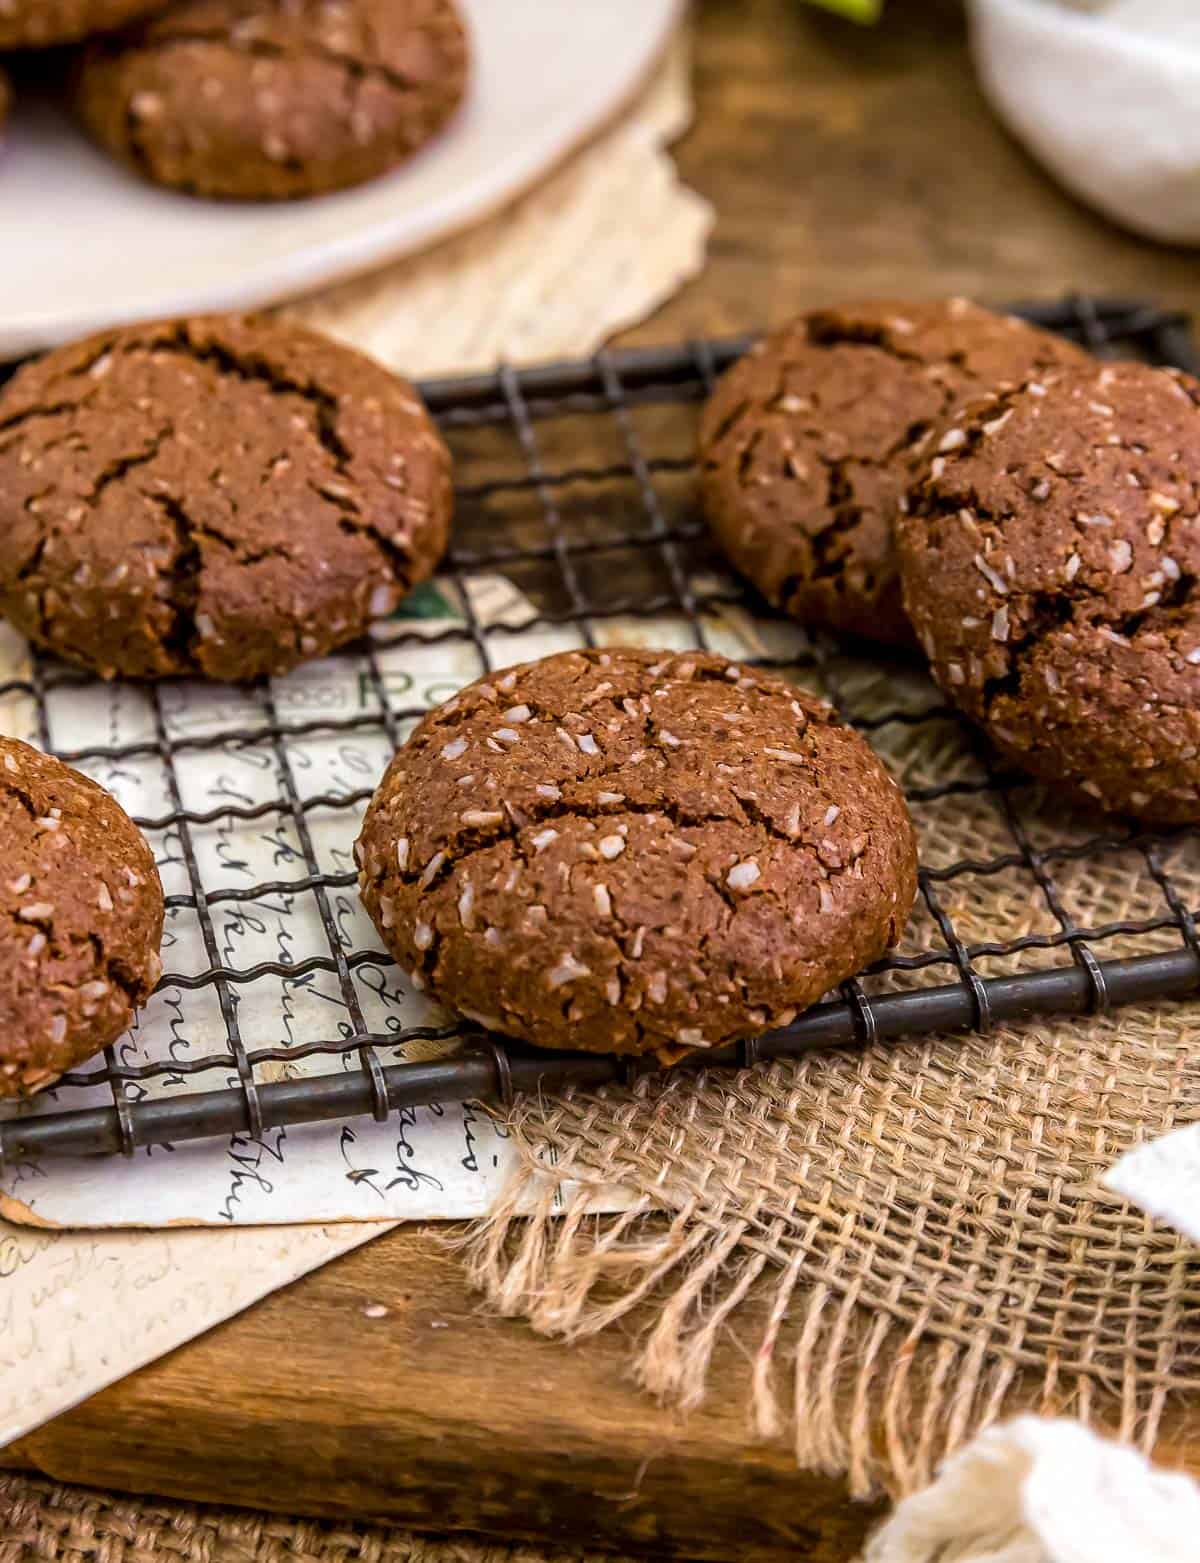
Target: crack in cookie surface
{"x": 223, "y": 496}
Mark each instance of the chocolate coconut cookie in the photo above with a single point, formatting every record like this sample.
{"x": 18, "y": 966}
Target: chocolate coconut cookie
{"x": 809, "y": 442}
{"x": 224, "y": 497}
{"x": 81, "y": 917}
{"x": 632, "y": 851}
{"x": 37, "y": 24}
{"x": 1050, "y": 564}
{"x": 272, "y": 99}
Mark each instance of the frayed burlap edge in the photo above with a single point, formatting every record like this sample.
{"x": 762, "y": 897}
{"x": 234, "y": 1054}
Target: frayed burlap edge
{"x": 894, "y": 1291}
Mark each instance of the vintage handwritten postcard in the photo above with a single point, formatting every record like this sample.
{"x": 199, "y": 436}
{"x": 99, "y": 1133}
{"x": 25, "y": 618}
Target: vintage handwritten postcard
{"x": 251, "y": 839}
{"x": 80, "y": 1309}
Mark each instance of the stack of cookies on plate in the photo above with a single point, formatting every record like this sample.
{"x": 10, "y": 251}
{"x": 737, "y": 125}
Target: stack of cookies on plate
{"x": 253, "y": 99}
{"x": 1027, "y": 515}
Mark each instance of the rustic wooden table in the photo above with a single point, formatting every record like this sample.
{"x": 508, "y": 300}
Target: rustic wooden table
{"x": 840, "y": 161}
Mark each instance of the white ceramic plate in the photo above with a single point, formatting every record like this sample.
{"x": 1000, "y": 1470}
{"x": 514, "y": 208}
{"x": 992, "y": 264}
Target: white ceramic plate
{"x": 86, "y": 244}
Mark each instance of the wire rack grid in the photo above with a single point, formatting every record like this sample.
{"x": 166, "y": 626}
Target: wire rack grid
{"x": 576, "y": 525}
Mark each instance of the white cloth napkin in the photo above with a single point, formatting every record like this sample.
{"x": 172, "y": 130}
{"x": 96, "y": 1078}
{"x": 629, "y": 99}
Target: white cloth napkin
{"x": 1162, "y": 1178}
{"x": 1041, "y": 1491}
{"x": 1105, "y": 93}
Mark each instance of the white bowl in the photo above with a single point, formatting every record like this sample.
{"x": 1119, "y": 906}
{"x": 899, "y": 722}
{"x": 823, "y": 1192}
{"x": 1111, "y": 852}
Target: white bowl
{"x": 1107, "y": 99}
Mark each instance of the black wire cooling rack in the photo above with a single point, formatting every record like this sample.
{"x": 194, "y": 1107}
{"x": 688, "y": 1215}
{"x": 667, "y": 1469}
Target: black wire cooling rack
{"x": 576, "y": 486}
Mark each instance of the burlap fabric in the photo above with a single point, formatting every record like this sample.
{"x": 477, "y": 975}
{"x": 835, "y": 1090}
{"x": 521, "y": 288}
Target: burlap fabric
{"x": 924, "y": 1218}
{"x": 54, "y": 1524}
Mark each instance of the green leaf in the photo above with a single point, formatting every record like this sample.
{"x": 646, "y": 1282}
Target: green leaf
{"x": 856, "y": 10}
{"x": 424, "y": 602}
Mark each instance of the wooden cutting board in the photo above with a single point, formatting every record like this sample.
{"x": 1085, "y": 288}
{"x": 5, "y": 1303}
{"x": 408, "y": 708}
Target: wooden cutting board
{"x": 316, "y": 1401}
{"x": 840, "y": 160}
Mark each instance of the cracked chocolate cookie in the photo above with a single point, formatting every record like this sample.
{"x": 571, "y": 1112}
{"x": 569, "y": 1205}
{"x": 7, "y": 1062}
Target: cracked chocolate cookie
{"x": 809, "y": 442}
{"x": 38, "y": 24}
{"x": 81, "y": 917}
{"x": 275, "y": 99}
{"x": 1050, "y": 563}
{"x": 222, "y": 497}
{"x": 634, "y": 851}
